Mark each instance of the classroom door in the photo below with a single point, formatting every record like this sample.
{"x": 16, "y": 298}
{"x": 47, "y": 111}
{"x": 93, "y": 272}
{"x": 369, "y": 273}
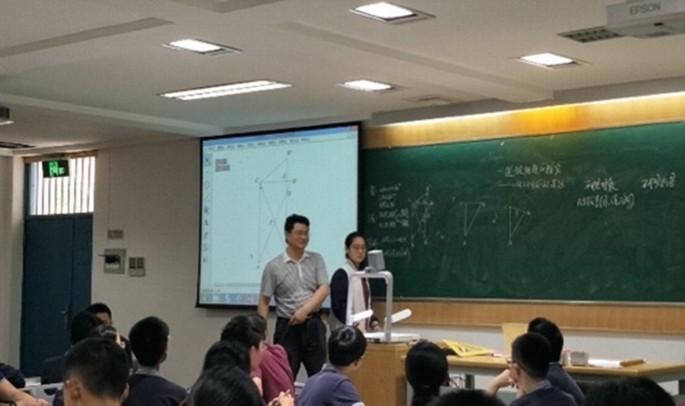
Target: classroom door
{"x": 56, "y": 284}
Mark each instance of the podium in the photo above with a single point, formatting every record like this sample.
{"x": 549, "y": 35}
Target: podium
{"x": 380, "y": 380}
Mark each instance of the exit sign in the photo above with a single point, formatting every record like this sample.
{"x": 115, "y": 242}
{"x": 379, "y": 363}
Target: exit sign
{"x": 56, "y": 169}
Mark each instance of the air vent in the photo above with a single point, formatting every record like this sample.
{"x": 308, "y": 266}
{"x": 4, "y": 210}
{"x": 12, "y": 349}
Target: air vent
{"x": 590, "y": 34}
{"x": 14, "y": 145}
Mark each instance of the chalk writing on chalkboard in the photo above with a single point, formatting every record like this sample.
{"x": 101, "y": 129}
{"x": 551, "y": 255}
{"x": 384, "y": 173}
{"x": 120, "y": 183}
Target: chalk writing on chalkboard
{"x": 595, "y": 215}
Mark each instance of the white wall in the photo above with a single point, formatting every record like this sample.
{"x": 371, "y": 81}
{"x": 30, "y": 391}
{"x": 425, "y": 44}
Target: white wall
{"x": 11, "y": 234}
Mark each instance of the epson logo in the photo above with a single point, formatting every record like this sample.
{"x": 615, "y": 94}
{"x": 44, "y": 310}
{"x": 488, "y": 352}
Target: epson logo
{"x": 645, "y": 8}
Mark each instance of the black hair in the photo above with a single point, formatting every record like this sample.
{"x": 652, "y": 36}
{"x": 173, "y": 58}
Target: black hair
{"x": 628, "y": 391}
{"x": 292, "y": 219}
{"x": 346, "y": 345}
{"x": 467, "y": 397}
{"x": 227, "y": 353}
{"x": 222, "y": 386}
{"x": 99, "y": 307}
{"x": 149, "y": 338}
{"x": 82, "y": 326}
{"x": 258, "y": 324}
{"x": 350, "y": 239}
{"x": 533, "y": 353}
{"x": 101, "y": 366}
{"x": 426, "y": 370}
{"x": 551, "y": 332}
{"x": 240, "y": 329}
{"x": 112, "y": 334}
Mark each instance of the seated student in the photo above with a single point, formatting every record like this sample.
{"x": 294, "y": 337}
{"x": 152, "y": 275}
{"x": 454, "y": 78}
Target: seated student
{"x": 227, "y": 353}
{"x": 332, "y": 386}
{"x": 530, "y": 358}
{"x": 82, "y": 326}
{"x": 95, "y": 373}
{"x": 426, "y": 370}
{"x": 629, "y": 391}
{"x": 242, "y": 329}
{"x": 556, "y": 375}
{"x": 10, "y": 394}
{"x": 149, "y": 340}
{"x": 104, "y": 313}
{"x": 232, "y": 354}
{"x": 224, "y": 386}
{"x": 13, "y": 375}
{"x": 467, "y": 397}
{"x": 273, "y": 375}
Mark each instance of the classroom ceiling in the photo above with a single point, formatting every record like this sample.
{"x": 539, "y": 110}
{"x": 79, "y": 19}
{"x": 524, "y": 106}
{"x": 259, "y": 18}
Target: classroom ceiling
{"x": 78, "y": 73}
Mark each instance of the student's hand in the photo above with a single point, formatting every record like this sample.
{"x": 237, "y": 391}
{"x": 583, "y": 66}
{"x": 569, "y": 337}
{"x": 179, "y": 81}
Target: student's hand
{"x": 299, "y": 317}
{"x": 283, "y": 399}
{"x": 31, "y": 401}
{"x": 500, "y": 381}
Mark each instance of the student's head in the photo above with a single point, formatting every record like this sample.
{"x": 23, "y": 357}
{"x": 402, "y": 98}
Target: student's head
{"x": 531, "y": 355}
{"x": 240, "y": 329}
{"x": 355, "y": 248}
{"x": 346, "y": 346}
{"x": 550, "y": 330}
{"x": 82, "y": 326}
{"x": 149, "y": 339}
{"x": 426, "y": 370}
{"x": 95, "y": 369}
{"x": 227, "y": 353}
{"x": 467, "y": 397}
{"x": 258, "y": 324}
{"x": 296, "y": 231}
{"x": 221, "y": 386}
{"x": 629, "y": 391}
{"x": 102, "y": 311}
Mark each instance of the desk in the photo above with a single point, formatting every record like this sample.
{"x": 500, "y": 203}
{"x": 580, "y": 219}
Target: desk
{"x": 658, "y": 371}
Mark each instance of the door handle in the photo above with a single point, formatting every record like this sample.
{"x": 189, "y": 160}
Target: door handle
{"x": 65, "y": 316}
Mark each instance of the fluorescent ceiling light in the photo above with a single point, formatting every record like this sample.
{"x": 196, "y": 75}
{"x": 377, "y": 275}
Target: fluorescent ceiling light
{"x": 6, "y": 122}
{"x": 548, "y": 60}
{"x": 390, "y": 13}
{"x": 225, "y": 90}
{"x": 201, "y": 47}
{"x": 368, "y": 85}
{"x": 385, "y": 11}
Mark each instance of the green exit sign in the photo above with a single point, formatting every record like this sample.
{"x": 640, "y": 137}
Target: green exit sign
{"x": 56, "y": 169}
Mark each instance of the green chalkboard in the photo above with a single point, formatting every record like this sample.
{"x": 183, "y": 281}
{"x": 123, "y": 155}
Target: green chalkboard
{"x": 596, "y": 215}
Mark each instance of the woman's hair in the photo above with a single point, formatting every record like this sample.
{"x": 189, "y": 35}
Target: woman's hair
{"x": 224, "y": 386}
{"x": 426, "y": 370}
{"x": 629, "y": 391}
{"x": 348, "y": 244}
{"x": 467, "y": 397}
{"x": 228, "y": 354}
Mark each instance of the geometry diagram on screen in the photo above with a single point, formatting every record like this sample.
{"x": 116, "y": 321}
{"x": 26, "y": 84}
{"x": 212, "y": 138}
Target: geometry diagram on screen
{"x": 420, "y": 209}
{"x": 471, "y": 210}
{"x": 516, "y": 216}
{"x": 274, "y": 192}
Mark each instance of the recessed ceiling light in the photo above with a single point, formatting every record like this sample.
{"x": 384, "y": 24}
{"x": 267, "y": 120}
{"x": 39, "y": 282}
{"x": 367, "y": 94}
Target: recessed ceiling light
{"x": 368, "y": 86}
{"x": 390, "y": 13}
{"x": 201, "y": 47}
{"x": 548, "y": 60}
{"x": 225, "y": 90}
{"x": 6, "y": 122}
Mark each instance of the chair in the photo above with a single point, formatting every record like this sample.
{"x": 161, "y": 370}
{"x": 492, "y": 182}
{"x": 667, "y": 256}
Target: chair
{"x": 45, "y": 392}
